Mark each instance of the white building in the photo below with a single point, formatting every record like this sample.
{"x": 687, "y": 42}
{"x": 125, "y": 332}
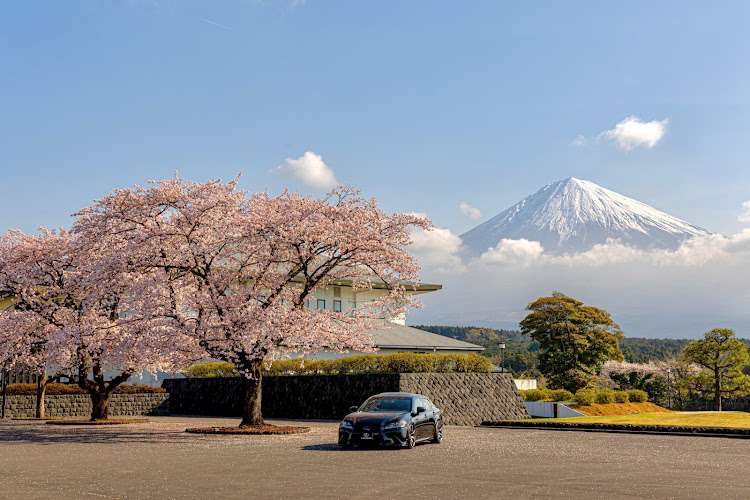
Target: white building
{"x": 392, "y": 336}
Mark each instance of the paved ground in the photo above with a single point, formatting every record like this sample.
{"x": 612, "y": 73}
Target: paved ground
{"x": 158, "y": 460}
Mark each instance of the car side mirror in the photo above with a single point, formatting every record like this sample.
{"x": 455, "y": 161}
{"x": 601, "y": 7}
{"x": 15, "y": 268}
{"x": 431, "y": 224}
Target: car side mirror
{"x": 353, "y": 409}
{"x": 421, "y": 409}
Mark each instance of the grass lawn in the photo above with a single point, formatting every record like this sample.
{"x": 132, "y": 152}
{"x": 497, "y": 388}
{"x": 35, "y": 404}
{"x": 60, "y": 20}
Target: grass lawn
{"x": 726, "y": 419}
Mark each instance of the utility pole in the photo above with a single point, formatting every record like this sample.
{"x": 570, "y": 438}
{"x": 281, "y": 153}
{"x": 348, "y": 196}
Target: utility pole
{"x": 502, "y": 353}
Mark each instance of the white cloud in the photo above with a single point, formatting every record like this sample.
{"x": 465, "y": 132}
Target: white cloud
{"x": 438, "y": 249}
{"x": 469, "y": 211}
{"x": 518, "y": 252}
{"x": 745, "y": 213}
{"x": 421, "y": 215}
{"x": 677, "y": 293}
{"x": 579, "y": 141}
{"x": 632, "y": 132}
{"x": 310, "y": 169}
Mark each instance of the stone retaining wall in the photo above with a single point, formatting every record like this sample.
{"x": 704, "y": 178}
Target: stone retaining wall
{"x": 79, "y": 405}
{"x": 465, "y": 398}
{"x": 469, "y": 398}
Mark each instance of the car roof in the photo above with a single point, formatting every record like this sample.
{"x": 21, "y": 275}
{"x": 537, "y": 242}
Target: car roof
{"x": 403, "y": 394}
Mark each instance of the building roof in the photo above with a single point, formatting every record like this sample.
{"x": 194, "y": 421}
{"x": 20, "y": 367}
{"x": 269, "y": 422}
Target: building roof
{"x": 395, "y": 336}
{"x": 379, "y": 284}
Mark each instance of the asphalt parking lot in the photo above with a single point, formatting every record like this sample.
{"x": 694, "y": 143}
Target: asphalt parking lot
{"x": 159, "y": 460}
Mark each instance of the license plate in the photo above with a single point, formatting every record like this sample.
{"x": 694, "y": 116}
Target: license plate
{"x": 366, "y": 435}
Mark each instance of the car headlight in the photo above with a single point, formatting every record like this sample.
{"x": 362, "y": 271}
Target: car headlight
{"x": 346, "y": 425}
{"x": 399, "y": 424}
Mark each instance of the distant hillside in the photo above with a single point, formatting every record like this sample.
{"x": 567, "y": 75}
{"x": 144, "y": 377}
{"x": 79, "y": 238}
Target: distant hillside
{"x": 521, "y": 351}
{"x": 642, "y": 350}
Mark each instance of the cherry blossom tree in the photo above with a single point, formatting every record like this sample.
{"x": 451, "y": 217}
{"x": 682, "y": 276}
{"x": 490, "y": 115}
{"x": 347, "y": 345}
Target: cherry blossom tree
{"x": 239, "y": 268}
{"x": 73, "y": 313}
{"x": 31, "y": 270}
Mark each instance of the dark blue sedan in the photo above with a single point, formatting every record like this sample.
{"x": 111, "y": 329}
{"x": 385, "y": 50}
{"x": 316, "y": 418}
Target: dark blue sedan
{"x": 392, "y": 418}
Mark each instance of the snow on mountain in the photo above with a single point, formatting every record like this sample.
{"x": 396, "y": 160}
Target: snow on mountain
{"x": 573, "y": 215}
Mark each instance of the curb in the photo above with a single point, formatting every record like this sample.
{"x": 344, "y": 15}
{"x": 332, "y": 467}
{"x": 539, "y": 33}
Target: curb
{"x": 625, "y": 429}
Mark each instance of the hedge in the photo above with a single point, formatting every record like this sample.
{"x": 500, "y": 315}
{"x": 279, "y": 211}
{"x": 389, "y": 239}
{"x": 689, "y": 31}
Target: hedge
{"x": 605, "y": 396}
{"x": 533, "y": 395}
{"x": 400, "y": 362}
{"x": 60, "y": 389}
{"x": 621, "y": 397}
{"x": 585, "y": 396}
{"x": 637, "y": 396}
{"x": 547, "y": 395}
{"x": 561, "y": 395}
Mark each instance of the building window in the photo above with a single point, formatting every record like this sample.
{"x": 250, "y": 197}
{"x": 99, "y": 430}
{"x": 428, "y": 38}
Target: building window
{"x": 337, "y": 292}
{"x": 337, "y": 305}
{"x": 321, "y": 304}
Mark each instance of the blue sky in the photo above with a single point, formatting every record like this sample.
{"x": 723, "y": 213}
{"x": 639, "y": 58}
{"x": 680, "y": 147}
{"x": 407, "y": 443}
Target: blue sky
{"x": 422, "y": 104}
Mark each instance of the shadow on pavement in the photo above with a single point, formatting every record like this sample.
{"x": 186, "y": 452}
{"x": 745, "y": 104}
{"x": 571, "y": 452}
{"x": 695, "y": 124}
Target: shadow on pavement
{"x": 336, "y": 447}
{"x": 52, "y": 434}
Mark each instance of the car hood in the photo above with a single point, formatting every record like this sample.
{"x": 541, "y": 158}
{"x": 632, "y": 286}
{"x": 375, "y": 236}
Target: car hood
{"x": 375, "y": 418}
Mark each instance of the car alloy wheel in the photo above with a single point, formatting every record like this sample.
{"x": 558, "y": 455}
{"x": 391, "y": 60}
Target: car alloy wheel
{"x": 345, "y": 443}
{"x": 438, "y": 438}
{"x": 411, "y": 439}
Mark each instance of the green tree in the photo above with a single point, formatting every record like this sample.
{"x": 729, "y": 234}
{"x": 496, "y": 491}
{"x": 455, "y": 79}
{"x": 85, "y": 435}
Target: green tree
{"x": 631, "y": 380}
{"x": 723, "y": 358}
{"x": 575, "y": 340}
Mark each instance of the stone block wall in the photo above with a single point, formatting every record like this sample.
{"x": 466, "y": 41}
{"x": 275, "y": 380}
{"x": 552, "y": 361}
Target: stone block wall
{"x": 79, "y": 405}
{"x": 297, "y": 396}
{"x": 469, "y": 398}
{"x": 465, "y": 398}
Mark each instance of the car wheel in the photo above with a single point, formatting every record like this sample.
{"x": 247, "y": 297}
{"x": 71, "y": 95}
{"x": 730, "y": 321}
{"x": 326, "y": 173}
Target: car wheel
{"x": 411, "y": 439}
{"x": 438, "y": 437}
{"x": 345, "y": 443}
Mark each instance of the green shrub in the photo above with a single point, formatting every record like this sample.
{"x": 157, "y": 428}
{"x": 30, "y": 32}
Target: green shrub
{"x": 52, "y": 389}
{"x": 547, "y": 393}
{"x": 400, "y": 362}
{"x": 359, "y": 363}
{"x": 407, "y": 362}
{"x": 474, "y": 363}
{"x": 584, "y": 396}
{"x": 533, "y": 395}
{"x": 637, "y": 396}
{"x": 328, "y": 366}
{"x": 444, "y": 363}
{"x": 621, "y": 397}
{"x": 605, "y": 396}
{"x": 561, "y": 395}
{"x": 211, "y": 369}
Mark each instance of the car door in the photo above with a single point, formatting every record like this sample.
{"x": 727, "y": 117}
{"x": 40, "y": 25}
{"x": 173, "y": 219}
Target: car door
{"x": 431, "y": 420}
{"x": 422, "y": 421}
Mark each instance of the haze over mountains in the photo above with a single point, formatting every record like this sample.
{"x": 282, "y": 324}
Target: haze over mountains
{"x": 574, "y": 215}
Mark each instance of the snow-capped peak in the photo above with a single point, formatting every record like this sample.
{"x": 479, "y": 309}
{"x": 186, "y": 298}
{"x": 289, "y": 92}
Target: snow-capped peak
{"x": 573, "y": 215}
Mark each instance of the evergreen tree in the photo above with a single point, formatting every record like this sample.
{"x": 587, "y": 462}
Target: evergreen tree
{"x": 575, "y": 340}
{"x": 723, "y": 358}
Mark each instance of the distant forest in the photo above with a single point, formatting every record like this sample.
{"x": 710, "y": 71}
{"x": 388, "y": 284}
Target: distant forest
{"x": 521, "y": 351}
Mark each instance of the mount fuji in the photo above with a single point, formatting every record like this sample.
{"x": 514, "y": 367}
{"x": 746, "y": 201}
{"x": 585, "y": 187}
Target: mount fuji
{"x": 573, "y": 215}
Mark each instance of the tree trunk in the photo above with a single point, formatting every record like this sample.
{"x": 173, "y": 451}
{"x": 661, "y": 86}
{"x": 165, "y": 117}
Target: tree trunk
{"x": 41, "y": 388}
{"x": 717, "y": 391}
{"x": 100, "y": 405}
{"x": 251, "y": 395}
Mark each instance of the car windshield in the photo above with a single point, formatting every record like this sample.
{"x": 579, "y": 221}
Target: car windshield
{"x": 387, "y": 404}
